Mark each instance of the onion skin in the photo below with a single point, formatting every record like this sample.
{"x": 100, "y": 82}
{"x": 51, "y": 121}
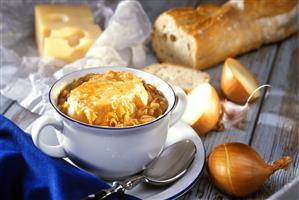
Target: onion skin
{"x": 237, "y": 170}
{"x": 231, "y": 87}
{"x": 208, "y": 120}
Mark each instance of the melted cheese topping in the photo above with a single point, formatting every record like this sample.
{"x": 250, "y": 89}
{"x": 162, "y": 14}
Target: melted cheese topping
{"x": 107, "y": 97}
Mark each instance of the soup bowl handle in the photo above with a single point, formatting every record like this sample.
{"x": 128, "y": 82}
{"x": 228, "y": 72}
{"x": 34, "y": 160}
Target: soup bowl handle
{"x": 37, "y": 127}
{"x": 180, "y": 106}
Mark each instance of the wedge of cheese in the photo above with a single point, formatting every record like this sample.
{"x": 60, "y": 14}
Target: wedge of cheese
{"x": 65, "y": 32}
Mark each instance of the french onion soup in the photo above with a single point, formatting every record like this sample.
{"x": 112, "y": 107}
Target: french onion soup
{"x": 112, "y": 99}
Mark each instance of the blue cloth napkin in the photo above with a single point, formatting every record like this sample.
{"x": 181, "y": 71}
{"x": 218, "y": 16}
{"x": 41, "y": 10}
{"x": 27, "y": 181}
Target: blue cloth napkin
{"x": 27, "y": 173}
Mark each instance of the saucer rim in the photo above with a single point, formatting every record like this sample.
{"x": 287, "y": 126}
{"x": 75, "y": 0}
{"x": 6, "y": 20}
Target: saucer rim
{"x": 192, "y": 184}
{"x": 195, "y": 178}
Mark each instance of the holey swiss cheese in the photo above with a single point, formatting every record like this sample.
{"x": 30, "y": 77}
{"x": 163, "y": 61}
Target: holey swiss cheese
{"x": 65, "y": 32}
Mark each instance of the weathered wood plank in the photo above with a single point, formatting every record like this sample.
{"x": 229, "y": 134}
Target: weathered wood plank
{"x": 20, "y": 116}
{"x": 5, "y": 103}
{"x": 277, "y": 130}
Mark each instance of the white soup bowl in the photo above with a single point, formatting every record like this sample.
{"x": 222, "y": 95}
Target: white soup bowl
{"x": 111, "y": 153}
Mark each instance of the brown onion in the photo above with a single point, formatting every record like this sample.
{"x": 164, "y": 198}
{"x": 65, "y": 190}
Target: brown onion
{"x": 238, "y": 170}
{"x": 237, "y": 82}
{"x": 203, "y": 108}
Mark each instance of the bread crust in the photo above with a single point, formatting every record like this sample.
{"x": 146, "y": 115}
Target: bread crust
{"x": 223, "y": 31}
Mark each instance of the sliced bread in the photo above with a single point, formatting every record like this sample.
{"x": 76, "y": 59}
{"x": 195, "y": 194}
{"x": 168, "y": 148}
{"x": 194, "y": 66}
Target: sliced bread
{"x": 178, "y": 75}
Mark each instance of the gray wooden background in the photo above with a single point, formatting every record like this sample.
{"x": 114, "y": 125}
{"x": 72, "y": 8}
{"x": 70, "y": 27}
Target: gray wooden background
{"x": 273, "y": 121}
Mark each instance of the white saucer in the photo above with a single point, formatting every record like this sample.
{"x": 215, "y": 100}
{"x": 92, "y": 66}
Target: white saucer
{"x": 178, "y": 132}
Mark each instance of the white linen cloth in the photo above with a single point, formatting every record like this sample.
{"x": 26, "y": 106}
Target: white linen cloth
{"x": 27, "y": 78}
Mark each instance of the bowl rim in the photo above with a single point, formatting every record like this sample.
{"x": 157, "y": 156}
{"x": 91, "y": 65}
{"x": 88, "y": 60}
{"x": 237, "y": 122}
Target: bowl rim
{"x": 64, "y": 116}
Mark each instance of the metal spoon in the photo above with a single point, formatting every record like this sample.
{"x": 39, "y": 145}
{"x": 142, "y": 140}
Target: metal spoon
{"x": 171, "y": 164}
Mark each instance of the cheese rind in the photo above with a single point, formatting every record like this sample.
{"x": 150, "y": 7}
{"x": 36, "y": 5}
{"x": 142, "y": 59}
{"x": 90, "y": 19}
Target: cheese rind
{"x": 65, "y": 32}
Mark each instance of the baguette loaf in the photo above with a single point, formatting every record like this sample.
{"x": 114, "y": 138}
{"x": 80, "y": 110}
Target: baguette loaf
{"x": 183, "y": 77}
{"x": 204, "y": 36}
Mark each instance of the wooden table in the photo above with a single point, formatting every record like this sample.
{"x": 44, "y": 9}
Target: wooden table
{"x": 272, "y": 126}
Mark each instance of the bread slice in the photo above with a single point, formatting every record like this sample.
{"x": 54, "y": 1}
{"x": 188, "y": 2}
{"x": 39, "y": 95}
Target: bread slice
{"x": 204, "y": 36}
{"x": 177, "y": 75}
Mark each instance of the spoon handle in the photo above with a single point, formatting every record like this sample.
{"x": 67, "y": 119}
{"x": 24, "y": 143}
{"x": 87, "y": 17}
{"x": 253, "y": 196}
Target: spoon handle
{"x": 131, "y": 182}
{"x": 117, "y": 189}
